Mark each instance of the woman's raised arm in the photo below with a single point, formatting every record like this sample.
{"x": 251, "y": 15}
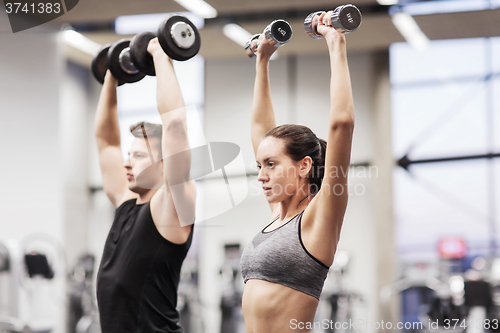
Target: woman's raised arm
{"x": 327, "y": 210}
{"x": 263, "y": 118}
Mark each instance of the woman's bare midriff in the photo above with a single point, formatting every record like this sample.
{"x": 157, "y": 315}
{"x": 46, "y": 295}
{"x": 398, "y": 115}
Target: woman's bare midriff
{"x": 273, "y": 308}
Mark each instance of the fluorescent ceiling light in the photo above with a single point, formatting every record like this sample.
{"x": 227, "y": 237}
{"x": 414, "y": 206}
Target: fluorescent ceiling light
{"x": 199, "y": 7}
{"x": 451, "y": 6}
{"x": 410, "y": 30}
{"x": 387, "y": 2}
{"x": 133, "y": 24}
{"x": 80, "y": 42}
{"x": 236, "y": 33}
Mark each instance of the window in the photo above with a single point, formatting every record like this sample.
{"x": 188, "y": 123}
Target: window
{"x": 445, "y": 105}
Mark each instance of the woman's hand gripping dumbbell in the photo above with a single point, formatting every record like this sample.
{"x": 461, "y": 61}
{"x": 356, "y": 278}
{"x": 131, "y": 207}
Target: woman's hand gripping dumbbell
{"x": 277, "y": 33}
{"x": 346, "y": 18}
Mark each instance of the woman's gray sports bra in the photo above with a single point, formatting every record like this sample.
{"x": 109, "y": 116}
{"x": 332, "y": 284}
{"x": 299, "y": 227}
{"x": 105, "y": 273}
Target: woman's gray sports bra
{"x": 279, "y": 256}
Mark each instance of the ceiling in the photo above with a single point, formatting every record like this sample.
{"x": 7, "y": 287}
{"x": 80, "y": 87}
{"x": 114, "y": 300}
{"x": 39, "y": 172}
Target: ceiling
{"x": 99, "y": 10}
{"x": 376, "y": 32}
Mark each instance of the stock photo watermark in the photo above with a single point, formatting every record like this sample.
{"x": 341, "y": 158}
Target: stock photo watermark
{"x": 447, "y": 324}
{"x": 351, "y": 186}
{"x": 327, "y": 324}
{"x": 26, "y": 14}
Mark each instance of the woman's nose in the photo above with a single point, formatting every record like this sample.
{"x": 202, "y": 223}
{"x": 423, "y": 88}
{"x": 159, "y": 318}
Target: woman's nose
{"x": 262, "y": 177}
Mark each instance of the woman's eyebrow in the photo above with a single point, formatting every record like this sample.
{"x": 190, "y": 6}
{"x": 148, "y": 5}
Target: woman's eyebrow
{"x": 266, "y": 159}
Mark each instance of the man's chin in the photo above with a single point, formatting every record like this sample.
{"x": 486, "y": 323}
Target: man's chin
{"x": 134, "y": 188}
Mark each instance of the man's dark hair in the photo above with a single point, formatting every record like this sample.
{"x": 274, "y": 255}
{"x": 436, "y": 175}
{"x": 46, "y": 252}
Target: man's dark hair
{"x": 144, "y": 130}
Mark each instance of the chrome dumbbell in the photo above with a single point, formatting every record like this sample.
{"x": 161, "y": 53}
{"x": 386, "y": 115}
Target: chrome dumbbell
{"x": 346, "y": 18}
{"x": 277, "y": 33}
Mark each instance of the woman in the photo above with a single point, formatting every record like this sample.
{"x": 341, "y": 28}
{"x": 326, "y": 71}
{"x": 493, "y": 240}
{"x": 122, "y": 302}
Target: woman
{"x": 285, "y": 266}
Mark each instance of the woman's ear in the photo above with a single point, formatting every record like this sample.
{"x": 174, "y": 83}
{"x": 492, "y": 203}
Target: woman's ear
{"x": 305, "y": 166}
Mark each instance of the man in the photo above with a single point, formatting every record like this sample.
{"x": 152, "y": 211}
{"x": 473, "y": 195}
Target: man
{"x": 153, "y": 226}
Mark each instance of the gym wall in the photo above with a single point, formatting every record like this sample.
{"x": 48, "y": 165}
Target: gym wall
{"x": 31, "y": 200}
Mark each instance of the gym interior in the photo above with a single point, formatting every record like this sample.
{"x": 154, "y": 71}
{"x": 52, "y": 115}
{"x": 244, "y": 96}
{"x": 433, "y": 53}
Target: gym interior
{"x": 419, "y": 247}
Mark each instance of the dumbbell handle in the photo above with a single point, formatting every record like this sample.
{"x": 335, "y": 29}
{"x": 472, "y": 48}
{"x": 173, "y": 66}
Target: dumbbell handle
{"x": 345, "y": 18}
{"x": 277, "y": 33}
{"x": 251, "y": 46}
{"x": 126, "y": 63}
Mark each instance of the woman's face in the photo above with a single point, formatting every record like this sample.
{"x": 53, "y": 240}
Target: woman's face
{"x": 280, "y": 176}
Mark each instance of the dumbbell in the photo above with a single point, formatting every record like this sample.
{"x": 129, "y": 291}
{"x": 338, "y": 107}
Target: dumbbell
{"x": 178, "y": 38}
{"x": 277, "y": 33}
{"x": 116, "y": 58}
{"x": 346, "y": 18}
{"x": 129, "y": 61}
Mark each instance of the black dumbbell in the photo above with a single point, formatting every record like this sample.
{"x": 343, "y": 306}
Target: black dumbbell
{"x": 116, "y": 58}
{"x": 100, "y": 64}
{"x": 140, "y": 55}
{"x": 129, "y": 61}
{"x": 277, "y": 33}
{"x": 120, "y": 63}
{"x": 178, "y": 38}
{"x": 346, "y": 18}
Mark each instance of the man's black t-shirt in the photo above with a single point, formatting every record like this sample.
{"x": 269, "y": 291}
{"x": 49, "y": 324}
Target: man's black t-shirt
{"x": 139, "y": 275}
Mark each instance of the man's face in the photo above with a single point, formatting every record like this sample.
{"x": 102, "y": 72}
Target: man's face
{"x": 144, "y": 168}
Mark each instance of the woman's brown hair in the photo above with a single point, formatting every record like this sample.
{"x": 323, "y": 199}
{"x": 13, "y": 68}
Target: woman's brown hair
{"x": 300, "y": 142}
